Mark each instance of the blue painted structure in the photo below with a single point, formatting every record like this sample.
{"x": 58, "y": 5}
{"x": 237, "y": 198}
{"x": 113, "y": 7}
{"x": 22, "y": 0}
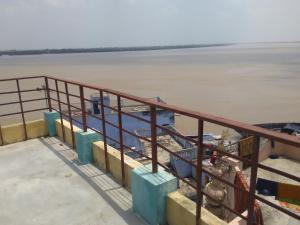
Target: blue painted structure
{"x": 164, "y": 117}
{"x": 189, "y": 151}
{"x": 84, "y": 142}
{"x": 149, "y": 193}
{"x": 50, "y": 118}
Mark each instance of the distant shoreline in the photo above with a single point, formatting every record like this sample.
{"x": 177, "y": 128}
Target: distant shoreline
{"x": 106, "y": 49}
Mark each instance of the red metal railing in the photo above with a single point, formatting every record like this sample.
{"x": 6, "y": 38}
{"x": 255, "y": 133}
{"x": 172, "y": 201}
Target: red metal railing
{"x": 54, "y": 95}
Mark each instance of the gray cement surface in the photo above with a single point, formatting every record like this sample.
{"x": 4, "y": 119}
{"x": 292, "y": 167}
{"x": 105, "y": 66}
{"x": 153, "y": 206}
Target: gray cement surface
{"x": 41, "y": 183}
{"x": 272, "y": 216}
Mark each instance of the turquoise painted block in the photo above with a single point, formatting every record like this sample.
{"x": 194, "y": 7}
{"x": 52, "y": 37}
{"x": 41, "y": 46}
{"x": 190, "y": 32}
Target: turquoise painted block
{"x": 149, "y": 193}
{"x": 84, "y": 145}
{"x": 50, "y": 118}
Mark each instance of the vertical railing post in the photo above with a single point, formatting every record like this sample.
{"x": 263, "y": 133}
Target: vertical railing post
{"x": 121, "y": 139}
{"x": 60, "y": 111}
{"x": 83, "y": 108}
{"x": 199, "y": 172}
{"x": 153, "y": 138}
{"x": 254, "y": 165}
{"x": 1, "y": 136}
{"x": 22, "y": 109}
{"x": 48, "y": 94}
{"x": 70, "y": 114}
{"x": 104, "y": 131}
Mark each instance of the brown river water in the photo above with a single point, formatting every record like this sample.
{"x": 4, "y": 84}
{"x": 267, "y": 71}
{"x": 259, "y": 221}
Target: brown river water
{"x": 253, "y": 83}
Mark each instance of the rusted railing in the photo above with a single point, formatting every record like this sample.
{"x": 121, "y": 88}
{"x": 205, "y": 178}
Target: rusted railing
{"x": 56, "y": 89}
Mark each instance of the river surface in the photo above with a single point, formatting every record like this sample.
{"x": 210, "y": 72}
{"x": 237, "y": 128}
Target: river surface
{"x": 253, "y": 83}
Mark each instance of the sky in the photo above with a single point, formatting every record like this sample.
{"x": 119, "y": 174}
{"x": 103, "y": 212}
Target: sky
{"x": 40, "y": 24}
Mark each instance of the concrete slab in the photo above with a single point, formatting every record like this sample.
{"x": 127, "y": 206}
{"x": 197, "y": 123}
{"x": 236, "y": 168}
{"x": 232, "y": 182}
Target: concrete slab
{"x": 272, "y": 215}
{"x": 42, "y": 183}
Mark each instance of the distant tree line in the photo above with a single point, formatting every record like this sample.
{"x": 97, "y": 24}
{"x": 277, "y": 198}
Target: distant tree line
{"x": 108, "y": 49}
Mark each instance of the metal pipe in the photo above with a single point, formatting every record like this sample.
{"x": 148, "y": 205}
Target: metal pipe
{"x": 284, "y": 138}
{"x": 153, "y": 138}
{"x": 70, "y": 114}
{"x": 104, "y": 132}
{"x": 199, "y": 171}
{"x": 121, "y": 140}
{"x": 60, "y": 112}
{"x": 48, "y": 94}
{"x": 1, "y": 136}
{"x": 251, "y": 195}
{"x": 22, "y": 110}
{"x": 83, "y": 113}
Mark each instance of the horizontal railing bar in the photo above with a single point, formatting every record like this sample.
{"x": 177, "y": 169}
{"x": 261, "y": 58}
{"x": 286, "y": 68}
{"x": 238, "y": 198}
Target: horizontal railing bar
{"x": 134, "y": 116}
{"x": 279, "y": 172}
{"x": 10, "y": 114}
{"x": 75, "y": 107}
{"x": 225, "y": 206}
{"x": 21, "y": 78}
{"x": 178, "y": 156}
{"x": 10, "y": 103}
{"x": 177, "y": 134}
{"x": 278, "y": 207}
{"x": 62, "y": 92}
{"x": 97, "y": 131}
{"x": 240, "y": 126}
{"x": 135, "y": 135}
{"x": 224, "y": 181}
{"x": 23, "y": 101}
{"x": 27, "y": 111}
{"x": 227, "y": 154}
{"x": 176, "y": 175}
{"x": 21, "y": 91}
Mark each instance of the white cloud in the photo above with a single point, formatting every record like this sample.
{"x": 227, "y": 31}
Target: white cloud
{"x": 91, "y": 23}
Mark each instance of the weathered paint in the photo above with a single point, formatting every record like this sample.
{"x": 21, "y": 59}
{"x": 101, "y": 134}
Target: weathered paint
{"x": 15, "y": 132}
{"x": 50, "y": 118}
{"x": 67, "y": 130}
{"x": 129, "y": 123}
{"x": 84, "y": 143}
{"x": 149, "y": 193}
{"x": 182, "y": 211}
{"x": 114, "y": 159}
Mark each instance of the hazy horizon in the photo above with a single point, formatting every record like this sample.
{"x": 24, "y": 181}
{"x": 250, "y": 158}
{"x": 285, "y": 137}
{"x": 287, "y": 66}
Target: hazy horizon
{"x": 57, "y": 24}
{"x": 141, "y": 46}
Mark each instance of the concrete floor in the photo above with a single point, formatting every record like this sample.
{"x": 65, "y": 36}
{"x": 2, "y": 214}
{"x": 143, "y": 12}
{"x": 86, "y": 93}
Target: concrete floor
{"x": 42, "y": 183}
{"x": 270, "y": 215}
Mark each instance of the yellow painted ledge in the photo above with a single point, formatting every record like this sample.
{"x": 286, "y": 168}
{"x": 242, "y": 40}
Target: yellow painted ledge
{"x": 15, "y": 132}
{"x": 182, "y": 211}
{"x": 114, "y": 158}
{"x": 67, "y": 131}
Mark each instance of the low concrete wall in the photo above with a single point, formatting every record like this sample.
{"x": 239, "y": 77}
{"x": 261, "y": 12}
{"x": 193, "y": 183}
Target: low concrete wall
{"x": 15, "y": 132}
{"x": 114, "y": 158}
{"x": 182, "y": 211}
{"x": 67, "y": 131}
{"x": 287, "y": 151}
{"x": 279, "y": 149}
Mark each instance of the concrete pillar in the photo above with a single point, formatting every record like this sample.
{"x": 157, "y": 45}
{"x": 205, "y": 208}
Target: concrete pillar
{"x": 84, "y": 145}
{"x": 149, "y": 193}
{"x": 50, "y": 118}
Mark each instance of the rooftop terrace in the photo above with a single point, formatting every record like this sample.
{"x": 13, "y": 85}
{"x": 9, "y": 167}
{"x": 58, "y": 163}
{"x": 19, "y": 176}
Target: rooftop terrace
{"x": 42, "y": 182}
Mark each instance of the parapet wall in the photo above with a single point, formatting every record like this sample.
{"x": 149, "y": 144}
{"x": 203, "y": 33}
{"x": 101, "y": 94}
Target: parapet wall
{"x": 180, "y": 210}
{"x": 279, "y": 149}
{"x": 15, "y": 132}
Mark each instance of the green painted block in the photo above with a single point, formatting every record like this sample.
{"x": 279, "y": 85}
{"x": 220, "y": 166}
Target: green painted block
{"x": 149, "y": 193}
{"x": 84, "y": 145}
{"x": 50, "y": 118}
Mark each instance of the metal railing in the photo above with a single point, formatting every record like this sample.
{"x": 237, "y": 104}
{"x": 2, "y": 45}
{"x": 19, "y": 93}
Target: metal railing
{"x": 56, "y": 89}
